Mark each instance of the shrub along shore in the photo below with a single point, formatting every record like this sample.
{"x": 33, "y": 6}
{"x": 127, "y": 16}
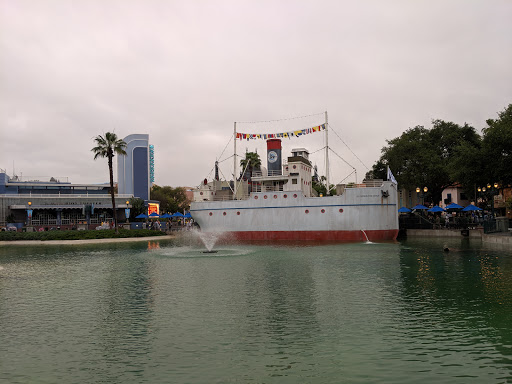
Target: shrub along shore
{"x": 79, "y": 235}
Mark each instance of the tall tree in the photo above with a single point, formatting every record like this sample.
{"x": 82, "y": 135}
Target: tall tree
{"x": 107, "y": 147}
{"x": 421, "y": 157}
{"x": 497, "y": 148}
{"x": 171, "y": 199}
{"x": 378, "y": 171}
{"x": 252, "y": 161}
{"x": 138, "y": 206}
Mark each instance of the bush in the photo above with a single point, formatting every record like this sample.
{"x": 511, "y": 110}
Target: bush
{"x": 78, "y": 235}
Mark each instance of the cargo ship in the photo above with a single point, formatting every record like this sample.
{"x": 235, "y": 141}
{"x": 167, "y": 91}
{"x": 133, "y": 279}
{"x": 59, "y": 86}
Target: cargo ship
{"x": 279, "y": 203}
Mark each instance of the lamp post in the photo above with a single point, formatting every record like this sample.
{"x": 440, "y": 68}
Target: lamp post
{"x": 493, "y": 192}
{"x": 127, "y": 211}
{"x": 490, "y": 191}
{"x": 29, "y": 213}
{"x": 422, "y": 195}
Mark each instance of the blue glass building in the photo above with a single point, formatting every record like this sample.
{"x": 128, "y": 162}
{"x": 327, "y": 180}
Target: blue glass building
{"x": 134, "y": 169}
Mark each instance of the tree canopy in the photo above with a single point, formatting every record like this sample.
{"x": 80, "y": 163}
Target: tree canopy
{"x": 138, "y": 207}
{"x": 171, "y": 199}
{"x": 449, "y": 154}
{"x": 497, "y": 147}
{"x": 252, "y": 161}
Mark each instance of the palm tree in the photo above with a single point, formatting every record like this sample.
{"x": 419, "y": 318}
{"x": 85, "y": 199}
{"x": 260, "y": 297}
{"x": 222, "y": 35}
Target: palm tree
{"x": 254, "y": 161}
{"x": 107, "y": 147}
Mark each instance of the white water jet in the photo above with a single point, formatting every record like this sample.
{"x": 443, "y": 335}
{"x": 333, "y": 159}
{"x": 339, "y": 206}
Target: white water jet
{"x": 208, "y": 238}
{"x": 367, "y": 240}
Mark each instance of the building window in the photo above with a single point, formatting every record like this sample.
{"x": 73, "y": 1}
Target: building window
{"x": 294, "y": 181}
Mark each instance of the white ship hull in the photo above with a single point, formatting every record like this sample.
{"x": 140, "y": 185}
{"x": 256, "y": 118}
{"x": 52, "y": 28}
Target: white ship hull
{"x": 358, "y": 214}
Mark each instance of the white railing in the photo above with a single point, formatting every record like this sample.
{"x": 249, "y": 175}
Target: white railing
{"x": 38, "y": 179}
{"x": 373, "y": 183}
{"x": 64, "y": 196}
{"x": 227, "y": 198}
{"x": 265, "y": 188}
{"x": 268, "y": 173}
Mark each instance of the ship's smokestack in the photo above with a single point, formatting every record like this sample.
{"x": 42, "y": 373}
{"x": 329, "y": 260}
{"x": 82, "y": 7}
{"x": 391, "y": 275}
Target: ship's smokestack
{"x": 274, "y": 157}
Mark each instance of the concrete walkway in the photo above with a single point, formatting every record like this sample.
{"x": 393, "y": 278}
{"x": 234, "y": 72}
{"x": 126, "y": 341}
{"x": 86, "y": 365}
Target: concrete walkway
{"x": 88, "y": 241}
{"x": 474, "y": 234}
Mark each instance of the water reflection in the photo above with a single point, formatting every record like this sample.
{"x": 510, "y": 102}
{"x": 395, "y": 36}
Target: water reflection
{"x": 124, "y": 313}
{"x": 144, "y": 312}
{"x": 459, "y": 301}
{"x": 153, "y": 245}
{"x": 281, "y": 296}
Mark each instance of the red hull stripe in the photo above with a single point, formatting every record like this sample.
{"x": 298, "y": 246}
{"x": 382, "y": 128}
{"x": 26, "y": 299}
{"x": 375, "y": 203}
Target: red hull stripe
{"x": 329, "y": 236}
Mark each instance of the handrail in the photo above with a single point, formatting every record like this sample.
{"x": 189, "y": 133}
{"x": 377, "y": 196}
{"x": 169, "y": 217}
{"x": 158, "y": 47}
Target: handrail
{"x": 268, "y": 173}
{"x": 64, "y": 195}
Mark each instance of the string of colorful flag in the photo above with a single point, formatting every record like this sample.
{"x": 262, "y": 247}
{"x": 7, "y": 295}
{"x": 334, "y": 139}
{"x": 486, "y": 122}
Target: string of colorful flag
{"x": 289, "y": 135}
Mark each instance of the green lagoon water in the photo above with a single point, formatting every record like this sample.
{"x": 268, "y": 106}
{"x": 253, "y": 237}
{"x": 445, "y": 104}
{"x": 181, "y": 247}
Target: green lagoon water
{"x": 164, "y": 312}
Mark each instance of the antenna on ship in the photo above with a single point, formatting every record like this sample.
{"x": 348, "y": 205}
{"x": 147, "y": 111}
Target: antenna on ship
{"x": 327, "y": 154}
{"x": 234, "y": 164}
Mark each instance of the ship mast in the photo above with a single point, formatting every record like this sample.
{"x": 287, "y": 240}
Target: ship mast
{"x": 234, "y": 165}
{"x": 327, "y": 154}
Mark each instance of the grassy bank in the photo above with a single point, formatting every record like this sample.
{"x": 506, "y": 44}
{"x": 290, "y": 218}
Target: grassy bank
{"x": 78, "y": 235}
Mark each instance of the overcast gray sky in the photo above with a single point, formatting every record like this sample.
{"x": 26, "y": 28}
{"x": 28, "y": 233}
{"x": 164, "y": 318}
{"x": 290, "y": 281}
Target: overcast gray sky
{"x": 184, "y": 71}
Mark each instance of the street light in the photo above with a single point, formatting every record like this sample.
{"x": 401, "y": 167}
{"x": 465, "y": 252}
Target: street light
{"x": 422, "y": 195}
{"x": 492, "y": 190}
{"x": 127, "y": 211}
{"x": 29, "y": 213}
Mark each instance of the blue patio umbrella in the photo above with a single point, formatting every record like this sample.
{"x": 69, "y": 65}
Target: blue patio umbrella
{"x": 471, "y": 207}
{"x": 454, "y": 206}
{"x": 404, "y": 210}
{"x": 165, "y": 216}
{"x": 419, "y": 206}
{"x": 188, "y": 215}
{"x": 154, "y": 214}
{"x": 437, "y": 208}
{"x": 178, "y": 214}
{"x": 141, "y": 216}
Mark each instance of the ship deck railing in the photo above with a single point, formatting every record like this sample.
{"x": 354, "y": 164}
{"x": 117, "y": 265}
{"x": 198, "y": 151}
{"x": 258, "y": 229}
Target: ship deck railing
{"x": 267, "y": 188}
{"x": 269, "y": 173}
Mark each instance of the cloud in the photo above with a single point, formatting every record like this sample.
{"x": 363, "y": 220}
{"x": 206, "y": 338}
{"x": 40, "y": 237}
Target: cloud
{"x": 183, "y": 72}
